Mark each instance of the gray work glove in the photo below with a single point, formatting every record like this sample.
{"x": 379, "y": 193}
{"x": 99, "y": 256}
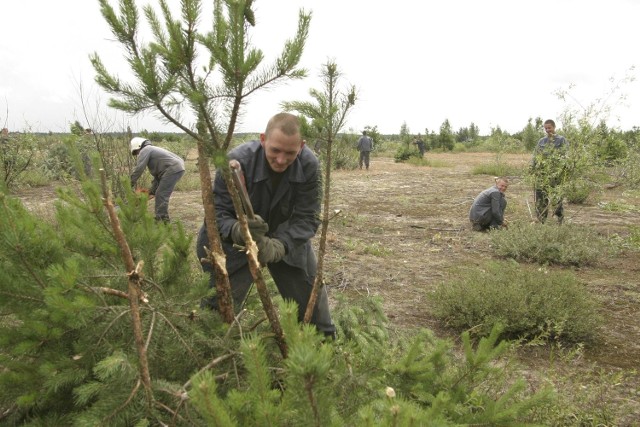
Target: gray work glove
{"x": 270, "y": 250}
{"x": 257, "y": 227}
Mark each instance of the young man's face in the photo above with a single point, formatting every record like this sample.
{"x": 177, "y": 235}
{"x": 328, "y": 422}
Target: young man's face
{"x": 281, "y": 150}
{"x": 549, "y": 129}
{"x": 502, "y": 186}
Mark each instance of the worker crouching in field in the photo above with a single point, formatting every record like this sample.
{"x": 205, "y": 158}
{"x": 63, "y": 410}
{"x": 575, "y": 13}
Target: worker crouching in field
{"x": 166, "y": 168}
{"x": 487, "y": 210}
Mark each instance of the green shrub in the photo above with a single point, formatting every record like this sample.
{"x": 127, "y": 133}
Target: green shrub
{"x": 35, "y": 178}
{"x": 180, "y": 147}
{"x": 568, "y": 244}
{"x": 368, "y": 378}
{"x": 343, "y": 155}
{"x": 496, "y": 169}
{"x": 611, "y": 147}
{"x": 406, "y": 152}
{"x": 529, "y": 303}
{"x": 459, "y": 147}
{"x": 63, "y": 158}
{"x": 628, "y": 170}
{"x": 578, "y": 191}
{"x": 18, "y": 154}
{"x": 501, "y": 144}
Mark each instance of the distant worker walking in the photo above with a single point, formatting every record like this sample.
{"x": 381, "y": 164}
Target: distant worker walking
{"x": 487, "y": 210}
{"x": 548, "y": 166}
{"x": 166, "y": 168}
{"x": 365, "y": 147}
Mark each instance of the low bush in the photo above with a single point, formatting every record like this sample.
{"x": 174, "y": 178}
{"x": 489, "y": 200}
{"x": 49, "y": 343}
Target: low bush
{"x": 459, "y": 147}
{"x": 18, "y": 154}
{"x": 529, "y": 303}
{"x": 497, "y": 168}
{"x": 500, "y": 144}
{"x": 568, "y": 244}
{"x": 578, "y": 192}
{"x": 428, "y": 161}
{"x": 343, "y": 155}
{"x": 406, "y": 152}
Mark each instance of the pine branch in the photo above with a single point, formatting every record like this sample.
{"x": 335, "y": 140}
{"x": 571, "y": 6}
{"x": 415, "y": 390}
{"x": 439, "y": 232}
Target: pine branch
{"x": 236, "y": 321}
{"x": 126, "y": 402}
{"x": 215, "y": 254}
{"x": 171, "y": 411}
{"x": 24, "y": 297}
{"x": 254, "y": 264}
{"x": 21, "y": 257}
{"x": 312, "y": 399}
{"x": 179, "y": 336}
{"x": 150, "y": 333}
{"x": 134, "y": 280}
{"x": 208, "y": 366}
{"x": 115, "y": 319}
{"x": 110, "y": 291}
{"x": 333, "y": 121}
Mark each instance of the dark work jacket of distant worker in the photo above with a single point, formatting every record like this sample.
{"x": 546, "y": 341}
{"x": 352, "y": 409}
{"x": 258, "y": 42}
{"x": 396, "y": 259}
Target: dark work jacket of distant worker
{"x": 292, "y": 213}
{"x": 488, "y": 208}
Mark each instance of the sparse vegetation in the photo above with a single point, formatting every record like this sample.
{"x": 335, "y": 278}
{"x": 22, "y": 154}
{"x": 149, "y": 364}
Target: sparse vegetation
{"x": 497, "y": 169}
{"x": 549, "y": 244}
{"x": 527, "y": 302}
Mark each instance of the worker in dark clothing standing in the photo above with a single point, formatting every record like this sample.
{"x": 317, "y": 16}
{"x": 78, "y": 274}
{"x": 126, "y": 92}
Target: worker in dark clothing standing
{"x": 548, "y": 166}
{"x": 422, "y": 147}
{"x": 365, "y": 147}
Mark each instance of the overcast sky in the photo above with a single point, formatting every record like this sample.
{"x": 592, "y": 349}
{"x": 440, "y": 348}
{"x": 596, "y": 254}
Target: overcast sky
{"x": 491, "y": 62}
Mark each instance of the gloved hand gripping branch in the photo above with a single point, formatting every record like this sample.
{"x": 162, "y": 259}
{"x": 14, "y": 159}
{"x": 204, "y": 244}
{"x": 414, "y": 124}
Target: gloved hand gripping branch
{"x": 270, "y": 250}
{"x": 257, "y": 227}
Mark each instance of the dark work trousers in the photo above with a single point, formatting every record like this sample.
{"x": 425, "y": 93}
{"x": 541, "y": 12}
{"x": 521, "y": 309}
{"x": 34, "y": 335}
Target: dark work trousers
{"x": 486, "y": 222}
{"x": 162, "y": 190}
{"x": 364, "y": 158}
{"x": 293, "y": 284}
{"x": 542, "y": 205}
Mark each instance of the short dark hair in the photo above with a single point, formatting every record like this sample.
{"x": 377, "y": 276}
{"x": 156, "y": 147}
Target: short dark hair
{"x": 550, "y": 122}
{"x": 287, "y": 123}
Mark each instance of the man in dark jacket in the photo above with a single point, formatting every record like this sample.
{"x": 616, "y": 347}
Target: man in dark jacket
{"x": 548, "y": 166}
{"x": 422, "y": 147}
{"x": 487, "y": 210}
{"x": 166, "y": 168}
{"x": 365, "y": 147}
{"x": 282, "y": 177}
